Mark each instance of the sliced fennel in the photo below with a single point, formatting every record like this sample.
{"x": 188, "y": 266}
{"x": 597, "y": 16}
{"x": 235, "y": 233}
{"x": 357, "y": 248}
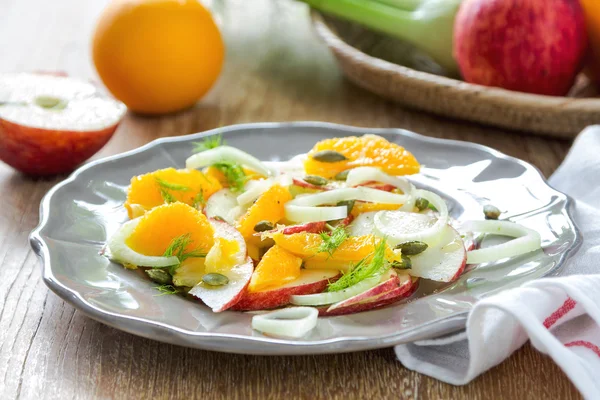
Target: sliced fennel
{"x": 305, "y": 208}
{"x": 361, "y": 175}
{"x": 227, "y": 154}
{"x": 124, "y": 254}
{"x": 526, "y": 240}
{"x": 391, "y": 224}
{"x": 325, "y": 298}
{"x": 293, "y": 322}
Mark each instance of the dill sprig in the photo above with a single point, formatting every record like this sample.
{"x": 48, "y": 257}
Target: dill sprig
{"x": 167, "y": 289}
{"x": 177, "y": 248}
{"x": 209, "y": 143}
{"x": 166, "y": 188}
{"x": 199, "y": 200}
{"x": 234, "y": 173}
{"x": 363, "y": 269}
{"x": 332, "y": 240}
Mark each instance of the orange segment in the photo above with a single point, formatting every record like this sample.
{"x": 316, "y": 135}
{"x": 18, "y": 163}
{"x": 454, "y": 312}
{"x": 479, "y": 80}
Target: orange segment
{"x": 268, "y": 207}
{"x": 159, "y": 226}
{"x": 363, "y": 151}
{"x": 276, "y": 268}
{"x": 218, "y": 175}
{"x": 355, "y": 248}
{"x": 360, "y": 208}
{"x": 182, "y": 185}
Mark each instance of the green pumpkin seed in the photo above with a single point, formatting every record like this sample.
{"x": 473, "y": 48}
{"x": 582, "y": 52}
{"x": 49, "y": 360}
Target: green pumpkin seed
{"x": 50, "y": 102}
{"x": 215, "y": 279}
{"x": 348, "y": 203}
{"x": 406, "y": 263}
{"x": 421, "y": 203}
{"x": 263, "y": 226}
{"x": 328, "y": 156}
{"x": 218, "y": 218}
{"x": 342, "y": 176}
{"x": 491, "y": 212}
{"x": 412, "y": 248}
{"x": 316, "y": 180}
{"x": 159, "y": 276}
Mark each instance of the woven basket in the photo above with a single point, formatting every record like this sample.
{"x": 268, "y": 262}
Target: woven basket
{"x": 360, "y": 53}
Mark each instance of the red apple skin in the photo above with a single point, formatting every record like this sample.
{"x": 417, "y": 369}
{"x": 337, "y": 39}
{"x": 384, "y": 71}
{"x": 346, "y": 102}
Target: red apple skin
{"x": 304, "y": 184}
{"x": 389, "y": 284}
{"x": 534, "y": 46}
{"x": 385, "y": 299}
{"x": 310, "y": 227}
{"x": 45, "y": 152}
{"x": 268, "y": 299}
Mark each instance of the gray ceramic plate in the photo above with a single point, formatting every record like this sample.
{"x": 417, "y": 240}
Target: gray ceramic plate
{"x": 78, "y": 214}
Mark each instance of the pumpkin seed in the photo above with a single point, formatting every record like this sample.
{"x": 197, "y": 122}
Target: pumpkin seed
{"x": 406, "y": 263}
{"x": 342, "y": 176}
{"x": 263, "y": 226}
{"x": 219, "y": 218}
{"x": 316, "y": 180}
{"x": 159, "y": 276}
{"x": 491, "y": 212}
{"x": 421, "y": 203}
{"x": 215, "y": 279}
{"x": 328, "y": 156}
{"x": 348, "y": 203}
{"x": 412, "y": 248}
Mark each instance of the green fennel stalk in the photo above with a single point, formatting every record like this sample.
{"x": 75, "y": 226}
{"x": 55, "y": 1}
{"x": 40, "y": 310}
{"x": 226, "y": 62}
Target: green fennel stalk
{"x": 426, "y": 24}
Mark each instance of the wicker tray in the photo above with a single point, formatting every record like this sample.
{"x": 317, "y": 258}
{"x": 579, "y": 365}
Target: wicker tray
{"x": 396, "y": 71}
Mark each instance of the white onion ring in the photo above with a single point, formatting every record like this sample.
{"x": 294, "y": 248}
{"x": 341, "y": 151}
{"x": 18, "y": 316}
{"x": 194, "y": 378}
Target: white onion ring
{"x": 293, "y": 322}
{"x": 253, "y": 189}
{"x": 526, "y": 240}
{"x": 384, "y": 225}
{"x": 124, "y": 254}
{"x": 324, "y": 298}
{"x": 227, "y": 154}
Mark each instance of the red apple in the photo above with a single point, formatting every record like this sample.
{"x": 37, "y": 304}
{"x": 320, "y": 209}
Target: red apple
{"x": 401, "y": 292}
{"x": 443, "y": 262}
{"x": 534, "y": 46}
{"x": 302, "y": 183}
{"x": 310, "y": 282}
{"x": 50, "y": 124}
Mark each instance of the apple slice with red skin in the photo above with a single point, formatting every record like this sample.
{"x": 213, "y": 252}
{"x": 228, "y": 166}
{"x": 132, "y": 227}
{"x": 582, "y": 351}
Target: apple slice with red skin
{"x": 221, "y": 298}
{"x": 404, "y": 291}
{"x": 310, "y": 282}
{"x": 309, "y": 227}
{"x": 443, "y": 262}
{"x": 390, "y": 282}
{"x": 50, "y": 124}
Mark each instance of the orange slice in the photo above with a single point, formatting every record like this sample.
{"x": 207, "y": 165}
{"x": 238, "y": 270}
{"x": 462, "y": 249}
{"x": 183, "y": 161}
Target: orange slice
{"x": 355, "y": 248}
{"x": 360, "y": 208}
{"x": 363, "y": 151}
{"x": 149, "y": 190}
{"x": 268, "y": 207}
{"x": 276, "y": 268}
{"x": 160, "y": 226}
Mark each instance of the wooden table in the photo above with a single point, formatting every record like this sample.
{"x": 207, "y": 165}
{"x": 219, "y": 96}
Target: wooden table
{"x": 276, "y": 71}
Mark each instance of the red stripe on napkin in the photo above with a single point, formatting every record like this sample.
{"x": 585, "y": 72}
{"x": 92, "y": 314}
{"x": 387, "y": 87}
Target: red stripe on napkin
{"x": 567, "y": 306}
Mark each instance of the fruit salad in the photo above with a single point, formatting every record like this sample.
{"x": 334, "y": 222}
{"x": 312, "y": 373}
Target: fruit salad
{"x": 338, "y": 230}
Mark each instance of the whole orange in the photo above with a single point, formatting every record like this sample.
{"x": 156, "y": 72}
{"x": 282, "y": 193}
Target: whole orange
{"x": 157, "y": 56}
{"x": 592, "y": 14}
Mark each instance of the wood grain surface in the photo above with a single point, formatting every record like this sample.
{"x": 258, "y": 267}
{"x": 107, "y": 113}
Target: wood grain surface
{"x": 276, "y": 70}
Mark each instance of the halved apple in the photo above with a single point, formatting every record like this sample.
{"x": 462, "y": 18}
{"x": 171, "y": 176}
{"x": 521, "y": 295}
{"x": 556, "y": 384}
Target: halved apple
{"x": 309, "y": 282}
{"x": 50, "y": 124}
{"x": 443, "y": 262}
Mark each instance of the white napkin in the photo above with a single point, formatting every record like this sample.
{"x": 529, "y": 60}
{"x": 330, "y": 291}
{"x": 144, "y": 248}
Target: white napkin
{"x": 560, "y": 315}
